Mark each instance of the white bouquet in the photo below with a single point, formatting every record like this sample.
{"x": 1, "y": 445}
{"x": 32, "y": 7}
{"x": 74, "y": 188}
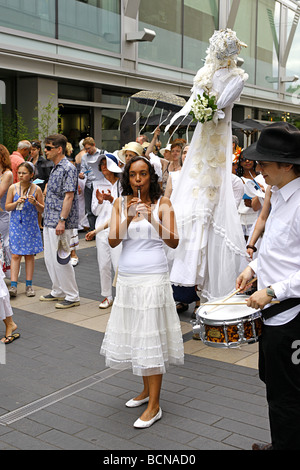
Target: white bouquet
{"x": 204, "y": 108}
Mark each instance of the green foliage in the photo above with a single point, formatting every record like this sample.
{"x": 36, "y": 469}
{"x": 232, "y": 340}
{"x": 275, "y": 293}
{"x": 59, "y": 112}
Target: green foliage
{"x": 47, "y": 121}
{"x": 14, "y": 130}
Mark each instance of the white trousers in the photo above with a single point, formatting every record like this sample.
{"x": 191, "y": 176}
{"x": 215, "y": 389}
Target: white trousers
{"x": 107, "y": 258}
{"x": 62, "y": 275}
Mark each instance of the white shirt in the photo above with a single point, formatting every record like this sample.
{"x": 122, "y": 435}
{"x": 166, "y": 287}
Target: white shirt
{"x": 103, "y": 211}
{"x": 278, "y": 262}
{"x": 238, "y": 189}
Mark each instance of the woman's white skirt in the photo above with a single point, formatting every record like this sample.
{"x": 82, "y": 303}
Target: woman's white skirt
{"x": 5, "y": 307}
{"x": 143, "y": 331}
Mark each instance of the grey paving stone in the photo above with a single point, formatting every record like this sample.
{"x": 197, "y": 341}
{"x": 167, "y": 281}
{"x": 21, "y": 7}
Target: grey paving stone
{"x": 109, "y": 441}
{"x": 54, "y": 421}
{"x": 21, "y": 441}
{"x": 64, "y": 441}
{"x": 244, "y": 429}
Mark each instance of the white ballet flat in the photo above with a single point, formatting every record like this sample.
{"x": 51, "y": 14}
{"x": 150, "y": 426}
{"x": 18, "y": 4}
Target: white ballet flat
{"x": 133, "y": 403}
{"x": 146, "y": 424}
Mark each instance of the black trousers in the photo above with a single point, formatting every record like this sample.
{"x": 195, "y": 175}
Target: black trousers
{"x": 279, "y": 368}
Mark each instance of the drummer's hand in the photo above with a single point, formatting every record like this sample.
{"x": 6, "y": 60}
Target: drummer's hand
{"x": 244, "y": 278}
{"x": 250, "y": 252}
{"x": 259, "y": 299}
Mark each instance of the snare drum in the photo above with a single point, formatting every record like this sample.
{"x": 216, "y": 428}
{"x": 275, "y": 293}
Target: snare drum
{"x": 226, "y": 325}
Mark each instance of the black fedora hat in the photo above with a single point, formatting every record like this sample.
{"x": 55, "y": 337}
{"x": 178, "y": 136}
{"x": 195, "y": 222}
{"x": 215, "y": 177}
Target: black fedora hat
{"x": 278, "y": 142}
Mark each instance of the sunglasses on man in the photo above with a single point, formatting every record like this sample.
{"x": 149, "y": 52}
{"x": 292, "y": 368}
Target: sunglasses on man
{"x": 49, "y": 148}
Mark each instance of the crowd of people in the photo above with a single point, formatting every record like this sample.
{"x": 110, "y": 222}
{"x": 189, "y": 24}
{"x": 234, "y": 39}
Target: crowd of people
{"x": 126, "y": 204}
{"x": 168, "y": 222}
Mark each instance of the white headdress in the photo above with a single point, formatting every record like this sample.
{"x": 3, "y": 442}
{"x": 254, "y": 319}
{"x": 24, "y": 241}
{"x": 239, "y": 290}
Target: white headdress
{"x": 224, "y": 47}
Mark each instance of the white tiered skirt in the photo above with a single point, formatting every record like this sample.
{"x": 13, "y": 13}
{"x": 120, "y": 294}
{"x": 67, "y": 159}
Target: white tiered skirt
{"x": 5, "y": 307}
{"x": 143, "y": 331}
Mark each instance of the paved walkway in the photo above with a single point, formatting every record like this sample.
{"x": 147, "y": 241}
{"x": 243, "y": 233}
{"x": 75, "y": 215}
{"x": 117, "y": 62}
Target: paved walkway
{"x": 57, "y": 394}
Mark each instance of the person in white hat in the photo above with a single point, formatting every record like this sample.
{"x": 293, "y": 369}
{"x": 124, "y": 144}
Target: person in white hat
{"x": 106, "y": 189}
{"x": 130, "y": 150}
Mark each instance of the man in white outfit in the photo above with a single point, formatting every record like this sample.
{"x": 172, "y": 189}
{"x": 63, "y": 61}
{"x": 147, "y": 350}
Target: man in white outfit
{"x": 60, "y": 218}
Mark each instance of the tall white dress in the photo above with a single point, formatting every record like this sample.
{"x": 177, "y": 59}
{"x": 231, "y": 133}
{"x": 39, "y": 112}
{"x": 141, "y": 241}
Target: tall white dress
{"x": 143, "y": 331}
{"x": 212, "y": 248}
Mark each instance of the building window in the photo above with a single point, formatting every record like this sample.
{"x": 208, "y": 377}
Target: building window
{"x": 166, "y": 19}
{"x": 92, "y": 23}
{"x": 33, "y": 16}
{"x": 293, "y": 62}
{"x": 268, "y": 23}
{"x": 195, "y": 40}
{"x": 246, "y": 32}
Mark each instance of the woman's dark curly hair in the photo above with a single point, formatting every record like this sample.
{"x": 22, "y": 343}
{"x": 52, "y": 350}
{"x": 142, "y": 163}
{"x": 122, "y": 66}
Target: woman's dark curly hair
{"x": 155, "y": 190}
{"x": 240, "y": 169}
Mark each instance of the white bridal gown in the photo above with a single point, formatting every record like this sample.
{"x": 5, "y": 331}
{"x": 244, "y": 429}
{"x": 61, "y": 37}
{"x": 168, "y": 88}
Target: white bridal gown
{"x": 212, "y": 246}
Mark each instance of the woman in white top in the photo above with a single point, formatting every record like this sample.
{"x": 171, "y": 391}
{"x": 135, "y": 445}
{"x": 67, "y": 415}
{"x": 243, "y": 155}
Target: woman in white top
{"x": 249, "y": 207}
{"x": 143, "y": 330}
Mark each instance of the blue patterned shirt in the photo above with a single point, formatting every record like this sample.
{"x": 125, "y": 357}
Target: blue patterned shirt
{"x": 63, "y": 179}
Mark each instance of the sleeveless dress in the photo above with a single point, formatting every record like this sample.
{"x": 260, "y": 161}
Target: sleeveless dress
{"x": 24, "y": 232}
{"x": 143, "y": 330}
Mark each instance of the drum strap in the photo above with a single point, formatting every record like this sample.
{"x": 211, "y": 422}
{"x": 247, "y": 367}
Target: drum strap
{"x": 280, "y": 307}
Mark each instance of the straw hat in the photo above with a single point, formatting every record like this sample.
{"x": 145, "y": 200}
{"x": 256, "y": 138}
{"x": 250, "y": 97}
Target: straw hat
{"x": 133, "y": 147}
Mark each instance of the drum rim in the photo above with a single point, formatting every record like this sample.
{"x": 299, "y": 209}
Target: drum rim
{"x": 228, "y": 322}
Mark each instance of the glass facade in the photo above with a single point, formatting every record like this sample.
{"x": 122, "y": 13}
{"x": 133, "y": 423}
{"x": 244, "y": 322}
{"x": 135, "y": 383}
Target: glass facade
{"x": 179, "y": 42}
{"x": 268, "y": 20}
{"x": 92, "y": 23}
{"x": 261, "y": 33}
{"x": 32, "y": 16}
{"x": 195, "y": 38}
{"x": 293, "y": 62}
{"x": 166, "y": 19}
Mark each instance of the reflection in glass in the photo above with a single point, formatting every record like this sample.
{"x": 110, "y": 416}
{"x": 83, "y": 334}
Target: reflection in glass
{"x": 293, "y": 62}
{"x": 195, "y": 41}
{"x": 246, "y": 32}
{"x": 83, "y": 22}
{"x": 268, "y": 21}
{"x": 166, "y": 19}
{"x": 31, "y": 16}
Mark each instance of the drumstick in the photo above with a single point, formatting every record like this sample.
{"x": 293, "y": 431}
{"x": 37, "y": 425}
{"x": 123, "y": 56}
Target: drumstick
{"x": 238, "y": 290}
{"x": 236, "y": 303}
{"x": 233, "y": 293}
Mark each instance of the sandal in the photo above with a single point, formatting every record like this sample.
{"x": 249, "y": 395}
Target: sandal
{"x": 11, "y": 338}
